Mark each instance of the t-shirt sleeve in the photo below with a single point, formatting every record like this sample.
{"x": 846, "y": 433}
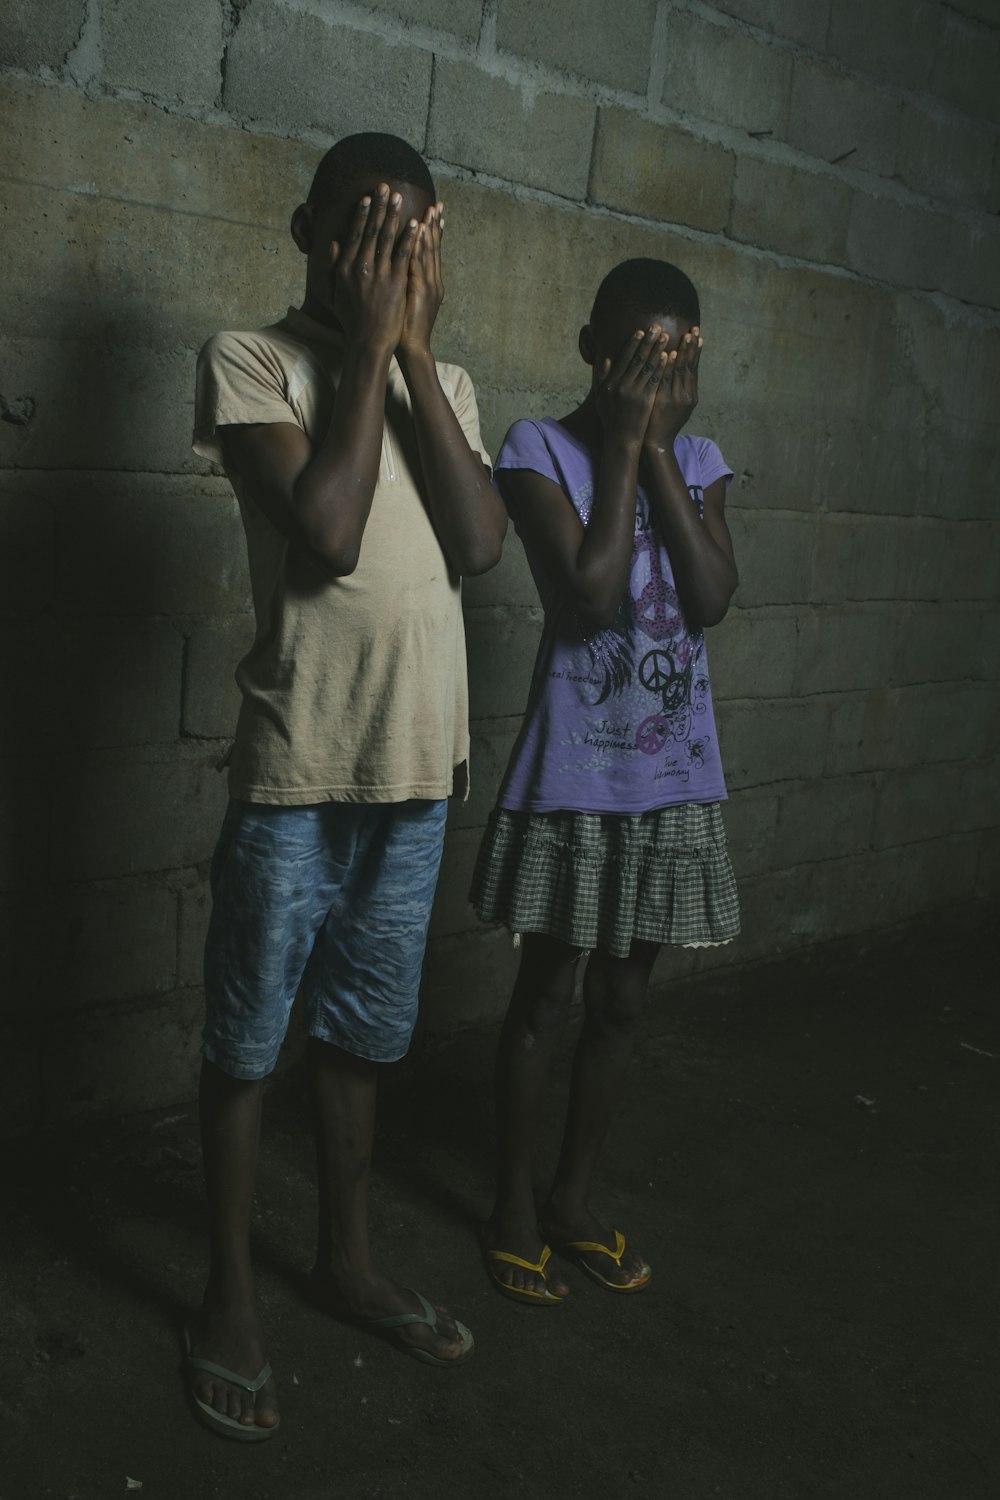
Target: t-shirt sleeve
{"x": 711, "y": 463}
{"x": 238, "y": 381}
{"x": 525, "y": 447}
{"x": 458, "y": 387}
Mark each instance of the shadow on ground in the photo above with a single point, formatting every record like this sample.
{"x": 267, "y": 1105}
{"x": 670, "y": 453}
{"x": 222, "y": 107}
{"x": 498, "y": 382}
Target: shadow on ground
{"x": 805, "y": 1154}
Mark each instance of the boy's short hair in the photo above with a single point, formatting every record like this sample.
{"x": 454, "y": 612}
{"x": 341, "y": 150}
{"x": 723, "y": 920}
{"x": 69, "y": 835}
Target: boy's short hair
{"x": 370, "y": 153}
{"x": 644, "y": 285}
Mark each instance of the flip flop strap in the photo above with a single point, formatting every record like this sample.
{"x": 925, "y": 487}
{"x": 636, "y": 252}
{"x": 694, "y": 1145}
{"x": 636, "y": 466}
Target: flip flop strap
{"x": 591, "y": 1247}
{"x": 253, "y": 1386}
{"x": 526, "y": 1265}
{"x": 401, "y": 1320}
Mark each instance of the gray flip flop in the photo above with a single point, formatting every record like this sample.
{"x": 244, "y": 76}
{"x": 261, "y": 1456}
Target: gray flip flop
{"x": 219, "y": 1421}
{"x": 428, "y": 1316}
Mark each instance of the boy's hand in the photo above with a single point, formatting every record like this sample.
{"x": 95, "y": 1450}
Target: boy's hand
{"x": 425, "y": 287}
{"x": 628, "y": 388}
{"x": 677, "y": 395}
{"x": 369, "y": 271}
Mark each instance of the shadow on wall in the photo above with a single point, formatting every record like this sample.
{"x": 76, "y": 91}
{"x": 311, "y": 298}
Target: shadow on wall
{"x": 114, "y": 807}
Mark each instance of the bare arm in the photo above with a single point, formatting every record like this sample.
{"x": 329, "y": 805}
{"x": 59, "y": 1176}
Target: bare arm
{"x": 466, "y": 510}
{"x": 592, "y": 563}
{"x": 701, "y": 550}
{"x": 322, "y": 496}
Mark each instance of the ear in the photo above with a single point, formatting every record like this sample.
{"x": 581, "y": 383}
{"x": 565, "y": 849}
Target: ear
{"x": 586, "y": 344}
{"x": 302, "y": 227}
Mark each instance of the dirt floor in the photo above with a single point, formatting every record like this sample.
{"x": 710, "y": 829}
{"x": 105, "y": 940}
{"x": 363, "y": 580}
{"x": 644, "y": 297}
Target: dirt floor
{"x": 807, "y": 1155}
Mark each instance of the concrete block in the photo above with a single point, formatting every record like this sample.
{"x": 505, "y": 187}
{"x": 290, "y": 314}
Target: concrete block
{"x": 25, "y": 821}
{"x": 21, "y": 1095}
{"x": 987, "y": 656}
{"x": 993, "y": 199}
{"x": 802, "y": 21}
{"x": 332, "y": 79}
{"x": 835, "y": 116}
{"x": 195, "y": 910}
{"x": 73, "y": 683}
{"x": 660, "y": 173}
{"x": 468, "y": 979}
{"x": 842, "y": 651}
{"x": 535, "y": 137}
{"x": 935, "y": 874}
{"x": 96, "y": 274}
{"x": 769, "y": 741}
{"x": 893, "y": 41}
{"x": 126, "y": 815}
{"x": 123, "y": 1059}
{"x": 509, "y": 583}
{"x": 780, "y": 207}
{"x": 774, "y": 557}
{"x": 720, "y": 72}
{"x": 968, "y": 560}
{"x": 824, "y": 820}
{"x": 931, "y": 802}
{"x": 39, "y": 33}
{"x": 750, "y": 819}
{"x": 945, "y": 156}
{"x": 139, "y": 546}
{"x": 502, "y": 644}
{"x": 27, "y": 531}
{"x": 973, "y": 268}
{"x": 988, "y": 868}
{"x": 752, "y": 655}
{"x": 895, "y": 559}
{"x": 909, "y": 726}
{"x": 608, "y": 44}
{"x": 898, "y": 242}
{"x": 832, "y": 559}
{"x": 492, "y": 743}
{"x": 768, "y": 903}
{"x": 105, "y": 943}
{"x": 967, "y": 65}
{"x": 173, "y": 52}
{"x": 111, "y": 408}
{"x": 461, "y": 17}
{"x": 452, "y": 912}
{"x": 211, "y": 698}
{"x": 941, "y": 644}
{"x": 59, "y": 138}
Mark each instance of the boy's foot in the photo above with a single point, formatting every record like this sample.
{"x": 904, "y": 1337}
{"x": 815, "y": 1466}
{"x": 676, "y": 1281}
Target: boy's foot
{"x": 231, "y": 1339}
{"x": 615, "y": 1265}
{"x": 366, "y": 1299}
{"x": 537, "y": 1277}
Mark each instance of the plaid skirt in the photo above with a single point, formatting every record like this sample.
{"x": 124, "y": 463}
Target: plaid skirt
{"x": 600, "y": 880}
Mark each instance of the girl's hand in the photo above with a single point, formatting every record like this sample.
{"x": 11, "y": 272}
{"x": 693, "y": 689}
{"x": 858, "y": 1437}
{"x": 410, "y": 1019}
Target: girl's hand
{"x": 369, "y": 271}
{"x": 425, "y": 287}
{"x": 677, "y": 394}
{"x": 627, "y": 391}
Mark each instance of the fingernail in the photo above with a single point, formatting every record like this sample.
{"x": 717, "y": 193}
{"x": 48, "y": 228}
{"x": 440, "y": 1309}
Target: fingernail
{"x": 396, "y": 199}
{"x": 366, "y": 203}
{"x": 413, "y": 224}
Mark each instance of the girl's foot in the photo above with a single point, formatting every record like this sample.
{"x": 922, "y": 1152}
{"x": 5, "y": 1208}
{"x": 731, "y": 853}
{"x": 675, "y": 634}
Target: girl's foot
{"x": 230, "y": 1338}
{"x": 364, "y": 1299}
{"x": 616, "y": 1264}
{"x": 525, "y": 1242}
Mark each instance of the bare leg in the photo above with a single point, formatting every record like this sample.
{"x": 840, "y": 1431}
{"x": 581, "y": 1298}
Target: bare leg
{"x": 344, "y": 1280}
{"x": 227, "y": 1330}
{"x": 614, "y": 990}
{"x": 539, "y": 1006}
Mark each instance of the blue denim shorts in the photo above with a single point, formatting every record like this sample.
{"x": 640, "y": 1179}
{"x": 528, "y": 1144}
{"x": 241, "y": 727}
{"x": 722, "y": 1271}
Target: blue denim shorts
{"x": 331, "y": 901}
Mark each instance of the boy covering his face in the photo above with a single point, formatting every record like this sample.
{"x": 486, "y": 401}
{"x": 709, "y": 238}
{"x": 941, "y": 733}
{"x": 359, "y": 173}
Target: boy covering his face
{"x": 365, "y": 494}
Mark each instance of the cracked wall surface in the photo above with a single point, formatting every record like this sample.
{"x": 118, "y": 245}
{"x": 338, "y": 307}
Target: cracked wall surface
{"x": 828, "y": 174}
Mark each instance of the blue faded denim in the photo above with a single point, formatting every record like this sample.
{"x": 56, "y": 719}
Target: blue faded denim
{"x": 331, "y": 901}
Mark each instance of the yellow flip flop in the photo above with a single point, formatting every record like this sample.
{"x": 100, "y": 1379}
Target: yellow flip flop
{"x": 577, "y": 1249}
{"x": 517, "y": 1293}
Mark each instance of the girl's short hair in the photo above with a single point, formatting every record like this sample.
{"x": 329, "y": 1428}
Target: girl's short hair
{"x": 645, "y": 285}
{"x": 370, "y": 153}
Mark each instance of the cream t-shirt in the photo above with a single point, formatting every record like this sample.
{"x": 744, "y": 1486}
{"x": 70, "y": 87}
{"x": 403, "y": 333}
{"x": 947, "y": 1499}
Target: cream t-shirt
{"x": 355, "y": 688}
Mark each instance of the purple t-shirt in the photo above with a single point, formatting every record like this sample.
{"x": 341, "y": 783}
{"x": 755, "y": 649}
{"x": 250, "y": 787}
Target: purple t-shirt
{"x": 620, "y": 720}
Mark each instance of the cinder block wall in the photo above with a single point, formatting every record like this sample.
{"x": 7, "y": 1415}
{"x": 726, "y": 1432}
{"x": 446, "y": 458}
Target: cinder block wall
{"x": 828, "y": 173}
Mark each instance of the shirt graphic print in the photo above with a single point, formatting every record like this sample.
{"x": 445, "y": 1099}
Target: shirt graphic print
{"x": 619, "y": 720}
